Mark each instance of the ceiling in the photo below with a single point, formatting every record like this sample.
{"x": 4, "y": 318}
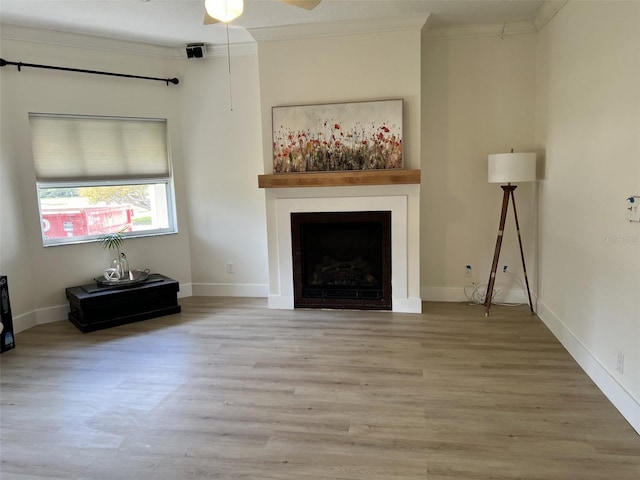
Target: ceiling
{"x": 174, "y": 23}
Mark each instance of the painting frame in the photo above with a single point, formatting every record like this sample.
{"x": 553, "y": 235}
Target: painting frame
{"x": 334, "y": 137}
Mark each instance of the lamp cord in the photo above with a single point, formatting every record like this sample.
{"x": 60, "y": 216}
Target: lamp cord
{"x": 477, "y": 293}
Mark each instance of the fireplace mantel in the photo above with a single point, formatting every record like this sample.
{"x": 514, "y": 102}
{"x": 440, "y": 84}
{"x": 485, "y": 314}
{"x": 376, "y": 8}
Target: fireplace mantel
{"x": 340, "y": 179}
{"x": 393, "y": 190}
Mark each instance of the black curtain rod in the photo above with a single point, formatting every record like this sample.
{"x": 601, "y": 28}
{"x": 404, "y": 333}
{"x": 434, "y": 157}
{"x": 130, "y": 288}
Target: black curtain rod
{"x": 4, "y": 62}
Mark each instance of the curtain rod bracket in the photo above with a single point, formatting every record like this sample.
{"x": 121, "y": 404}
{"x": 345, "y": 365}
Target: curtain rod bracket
{"x": 4, "y": 63}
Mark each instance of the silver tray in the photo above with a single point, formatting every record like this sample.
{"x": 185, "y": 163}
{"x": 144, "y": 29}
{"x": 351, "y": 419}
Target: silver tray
{"x": 135, "y": 277}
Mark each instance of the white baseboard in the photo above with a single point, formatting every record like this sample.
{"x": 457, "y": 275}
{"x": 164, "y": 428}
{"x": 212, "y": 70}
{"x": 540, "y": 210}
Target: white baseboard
{"x": 60, "y": 312}
{"x": 24, "y": 322}
{"x": 457, "y": 294}
{"x": 626, "y": 404}
{"x": 406, "y": 305}
{"x": 280, "y": 302}
{"x": 52, "y": 314}
{"x": 229, "y": 290}
{"x": 186, "y": 290}
{"x": 40, "y": 317}
{"x": 442, "y": 294}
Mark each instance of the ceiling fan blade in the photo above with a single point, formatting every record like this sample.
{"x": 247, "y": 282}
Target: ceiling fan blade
{"x": 209, "y": 20}
{"x": 306, "y": 4}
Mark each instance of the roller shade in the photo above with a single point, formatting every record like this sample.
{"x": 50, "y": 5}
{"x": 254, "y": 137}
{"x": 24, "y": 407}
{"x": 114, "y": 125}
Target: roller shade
{"x": 72, "y": 148}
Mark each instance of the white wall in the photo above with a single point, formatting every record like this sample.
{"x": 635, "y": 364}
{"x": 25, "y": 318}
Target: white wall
{"x": 217, "y": 156}
{"x": 588, "y": 122}
{"x": 478, "y": 98}
{"x": 38, "y": 275}
{"x": 14, "y": 253}
{"x": 223, "y": 158}
{"x": 344, "y": 68}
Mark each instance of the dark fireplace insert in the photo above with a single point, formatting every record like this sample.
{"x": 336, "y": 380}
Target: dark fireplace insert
{"x": 342, "y": 260}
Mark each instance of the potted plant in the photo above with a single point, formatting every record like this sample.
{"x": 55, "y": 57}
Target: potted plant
{"x": 113, "y": 241}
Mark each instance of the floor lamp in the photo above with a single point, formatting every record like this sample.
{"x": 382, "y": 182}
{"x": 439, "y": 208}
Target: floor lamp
{"x": 507, "y": 169}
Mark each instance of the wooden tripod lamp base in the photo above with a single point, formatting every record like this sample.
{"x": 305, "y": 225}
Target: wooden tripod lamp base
{"x": 508, "y": 168}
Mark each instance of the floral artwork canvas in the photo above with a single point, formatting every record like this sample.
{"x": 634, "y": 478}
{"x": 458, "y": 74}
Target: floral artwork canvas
{"x": 337, "y": 137}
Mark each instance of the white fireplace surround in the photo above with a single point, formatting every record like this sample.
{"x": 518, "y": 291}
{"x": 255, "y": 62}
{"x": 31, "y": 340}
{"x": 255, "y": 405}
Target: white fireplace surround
{"x": 401, "y": 200}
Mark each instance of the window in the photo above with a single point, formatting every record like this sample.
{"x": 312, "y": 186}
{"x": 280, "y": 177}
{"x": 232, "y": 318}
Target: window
{"x": 98, "y": 175}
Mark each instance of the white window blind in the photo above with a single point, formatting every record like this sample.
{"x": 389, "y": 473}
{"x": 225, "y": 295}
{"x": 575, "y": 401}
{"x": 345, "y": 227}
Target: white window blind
{"x": 72, "y": 148}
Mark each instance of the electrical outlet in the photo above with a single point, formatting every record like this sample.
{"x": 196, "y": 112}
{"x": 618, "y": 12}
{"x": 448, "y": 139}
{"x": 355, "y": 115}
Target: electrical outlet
{"x": 620, "y": 366}
{"x": 231, "y": 268}
{"x": 505, "y": 268}
{"x": 467, "y": 271}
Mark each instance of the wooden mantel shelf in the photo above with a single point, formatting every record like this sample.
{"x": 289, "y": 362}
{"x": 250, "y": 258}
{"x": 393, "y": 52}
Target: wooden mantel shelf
{"x": 340, "y": 179}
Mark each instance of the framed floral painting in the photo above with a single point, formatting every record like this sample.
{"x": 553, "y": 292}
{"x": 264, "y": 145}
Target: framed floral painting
{"x": 337, "y": 137}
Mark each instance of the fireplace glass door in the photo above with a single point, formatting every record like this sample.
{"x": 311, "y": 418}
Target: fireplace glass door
{"x": 342, "y": 259}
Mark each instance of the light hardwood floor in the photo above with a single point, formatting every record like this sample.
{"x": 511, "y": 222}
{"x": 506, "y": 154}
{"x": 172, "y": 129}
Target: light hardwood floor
{"x": 231, "y": 390}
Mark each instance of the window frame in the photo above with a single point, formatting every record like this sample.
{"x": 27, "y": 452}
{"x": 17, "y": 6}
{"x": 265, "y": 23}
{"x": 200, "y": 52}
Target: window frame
{"x": 168, "y": 181}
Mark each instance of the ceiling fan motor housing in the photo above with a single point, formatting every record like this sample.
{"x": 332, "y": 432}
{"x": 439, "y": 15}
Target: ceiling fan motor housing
{"x": 196, "y": 50}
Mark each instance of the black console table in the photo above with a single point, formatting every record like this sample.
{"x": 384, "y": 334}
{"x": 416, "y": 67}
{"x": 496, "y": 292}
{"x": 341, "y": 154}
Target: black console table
{"x": 95, "y": 307}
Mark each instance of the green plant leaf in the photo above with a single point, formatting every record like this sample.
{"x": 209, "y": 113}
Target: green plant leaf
{"x": 112, "y": 241}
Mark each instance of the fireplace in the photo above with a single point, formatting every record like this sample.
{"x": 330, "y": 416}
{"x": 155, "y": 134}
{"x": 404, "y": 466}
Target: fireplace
{"x": 403, "y": 201}
{"x": 342, "y": 259}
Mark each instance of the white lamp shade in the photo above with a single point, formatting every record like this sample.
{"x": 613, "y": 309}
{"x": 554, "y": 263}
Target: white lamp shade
{"x": 224, "y": 10}
{"x": 512, "y": 167}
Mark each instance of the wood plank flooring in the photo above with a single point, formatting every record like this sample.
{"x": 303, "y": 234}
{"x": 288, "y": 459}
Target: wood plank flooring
{"x": 228, "y": 389}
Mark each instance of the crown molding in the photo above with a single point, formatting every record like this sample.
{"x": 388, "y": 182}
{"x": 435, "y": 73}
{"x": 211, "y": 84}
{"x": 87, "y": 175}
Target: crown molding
{"x": 288, "y": 32}
{"x": 547, "y": 11}
{"x": 351, "y": 27}
{"x": 75, "y": 40}
{"x": 470, "y": 31}
{"x": 235, "y": 49}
